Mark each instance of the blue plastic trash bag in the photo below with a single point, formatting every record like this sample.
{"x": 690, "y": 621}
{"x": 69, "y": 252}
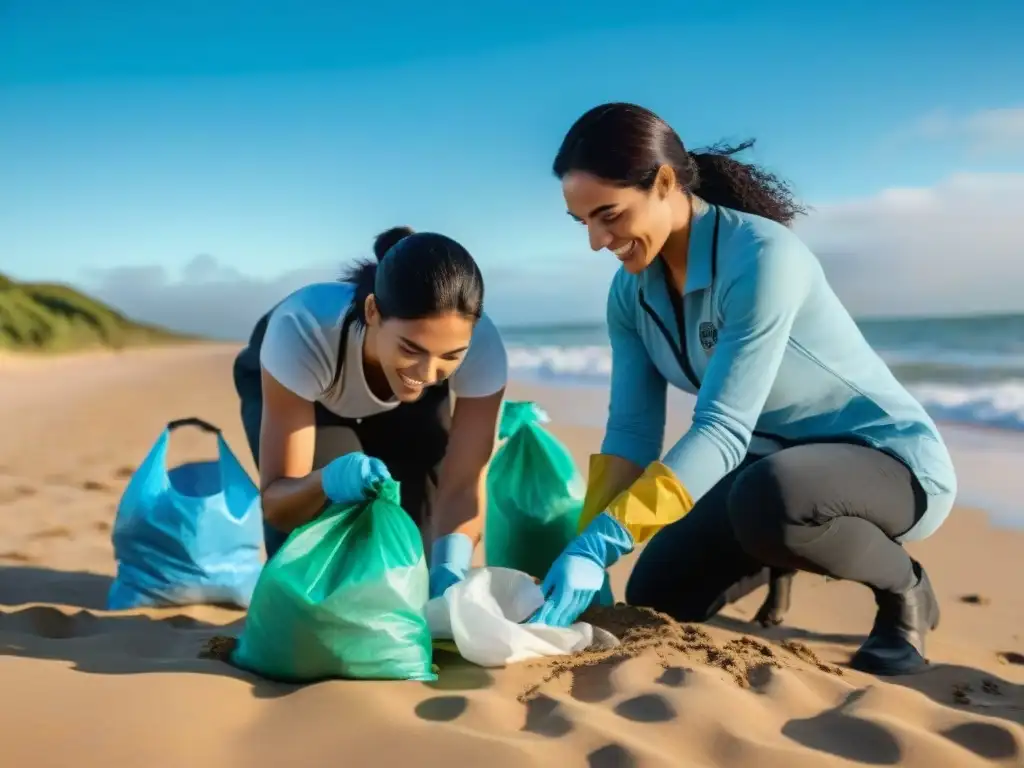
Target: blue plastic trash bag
{"x": 190, "y": 535}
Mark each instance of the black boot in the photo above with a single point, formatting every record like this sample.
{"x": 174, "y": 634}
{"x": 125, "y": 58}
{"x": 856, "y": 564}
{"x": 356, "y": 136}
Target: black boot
{"x": 896, "y": 643}
{"x": 776, "y": 604}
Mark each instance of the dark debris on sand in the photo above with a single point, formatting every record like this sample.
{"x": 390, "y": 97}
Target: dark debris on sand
{"x": 219, "y": 648}
{"x": 975, "y": 599}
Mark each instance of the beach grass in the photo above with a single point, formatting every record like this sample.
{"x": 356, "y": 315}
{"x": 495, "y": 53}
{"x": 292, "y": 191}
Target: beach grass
{"x": 50, "y": 318}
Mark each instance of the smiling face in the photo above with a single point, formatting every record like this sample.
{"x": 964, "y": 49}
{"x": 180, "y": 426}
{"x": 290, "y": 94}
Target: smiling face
{"x": 634, "y": 224}
{"x": 415, "y": 354}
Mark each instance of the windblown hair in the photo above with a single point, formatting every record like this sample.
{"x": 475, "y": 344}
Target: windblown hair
{"x": 626, "y": 145}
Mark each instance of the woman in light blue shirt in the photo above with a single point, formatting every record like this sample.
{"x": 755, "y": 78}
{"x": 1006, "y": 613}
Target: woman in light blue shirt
{"x": 805, "y": 453}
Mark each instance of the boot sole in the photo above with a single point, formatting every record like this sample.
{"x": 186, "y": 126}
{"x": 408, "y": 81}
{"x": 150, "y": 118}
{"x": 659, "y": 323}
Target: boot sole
{"x": 879, "y": 668}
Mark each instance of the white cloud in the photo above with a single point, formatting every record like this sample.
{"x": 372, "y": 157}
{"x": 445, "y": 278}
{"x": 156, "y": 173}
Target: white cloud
{"x": 988, "y": 131}
{"x": 213, "y": 299}
{"x": 207, "y": 297}
{"x": 955, "y": 247}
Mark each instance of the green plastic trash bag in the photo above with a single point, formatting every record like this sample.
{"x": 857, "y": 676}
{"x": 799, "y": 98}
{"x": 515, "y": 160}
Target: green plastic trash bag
{"x": 344, "y": 597}
{"x": 534, "y": 494}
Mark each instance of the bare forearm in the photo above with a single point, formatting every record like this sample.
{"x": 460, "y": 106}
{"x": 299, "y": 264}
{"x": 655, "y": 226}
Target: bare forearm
{"x": 459, "y": 511}
{"x": 289, "y": 502}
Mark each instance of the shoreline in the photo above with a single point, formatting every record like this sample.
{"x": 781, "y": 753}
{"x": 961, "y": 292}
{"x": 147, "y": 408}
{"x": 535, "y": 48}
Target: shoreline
{"x": 987, "y": 457}
{"x": 11, "y": 359}
{"x": 587, "y": 385}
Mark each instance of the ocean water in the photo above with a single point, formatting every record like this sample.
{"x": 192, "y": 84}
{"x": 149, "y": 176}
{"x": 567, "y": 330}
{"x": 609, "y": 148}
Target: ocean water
{"x": 966, "y": 370}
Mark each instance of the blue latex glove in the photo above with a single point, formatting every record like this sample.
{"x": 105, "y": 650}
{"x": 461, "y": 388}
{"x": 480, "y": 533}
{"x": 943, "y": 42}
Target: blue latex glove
{"x": 450, "y": 557}
{"x": 348, "y": 478}
{"x": 579, "y": 572}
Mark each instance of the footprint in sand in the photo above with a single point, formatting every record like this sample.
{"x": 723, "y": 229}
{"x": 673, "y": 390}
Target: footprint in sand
{"x": 442, "y": 709}
{"x": 611, "y": 756}
{"x": 646, "y": 708}
{"x": 1010, "y": 657}
{"x": 14, "y": 556}
{"x": 8, "y": 495}
{"x": 95, "y": 485}
{"x": 57, "y": 532}
{"x": 546, "y": 717}
{"x": 124, "y": 472}
{"x": 989, "y": 740}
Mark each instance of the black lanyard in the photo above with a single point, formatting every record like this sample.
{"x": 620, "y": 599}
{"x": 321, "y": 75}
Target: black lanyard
{"x": 679, "y": 308}
{"x": 342, "y": 347}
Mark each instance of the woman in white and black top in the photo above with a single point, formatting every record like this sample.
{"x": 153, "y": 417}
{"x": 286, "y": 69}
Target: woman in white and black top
{"x": 344, "y": 383}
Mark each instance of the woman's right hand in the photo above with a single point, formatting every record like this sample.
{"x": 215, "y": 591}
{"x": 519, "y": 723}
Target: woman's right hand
{"x": 348, "y": 478}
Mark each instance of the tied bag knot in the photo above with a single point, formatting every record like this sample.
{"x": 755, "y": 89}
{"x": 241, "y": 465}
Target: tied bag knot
{"x": 517, "y": 414}
{"x": 389, "y": 491}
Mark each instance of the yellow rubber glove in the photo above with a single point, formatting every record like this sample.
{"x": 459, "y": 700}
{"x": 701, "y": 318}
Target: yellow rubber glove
{"x": 653, "y": 498}
{"x": 651, "y": 502}
{"x": 608, "y": 477}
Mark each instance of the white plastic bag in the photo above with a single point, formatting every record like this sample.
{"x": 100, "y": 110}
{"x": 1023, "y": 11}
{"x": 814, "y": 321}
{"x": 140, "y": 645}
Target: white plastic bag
{"x": 482, "y": 614}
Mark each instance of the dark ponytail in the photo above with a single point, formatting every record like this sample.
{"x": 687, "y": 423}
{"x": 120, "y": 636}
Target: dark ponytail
{"x": 389, "y": 238}
{"x": 416, "y": 275}
{"x": 363, "y": 273}
{"x": 626, "y": 145}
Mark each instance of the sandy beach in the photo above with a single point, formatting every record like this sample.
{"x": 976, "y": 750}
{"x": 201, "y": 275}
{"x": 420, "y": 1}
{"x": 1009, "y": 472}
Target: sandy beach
{"x": 86, "y": 687}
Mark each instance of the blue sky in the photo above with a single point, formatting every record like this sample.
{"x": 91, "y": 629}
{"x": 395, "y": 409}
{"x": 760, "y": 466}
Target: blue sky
{"x": 274, "y": 138}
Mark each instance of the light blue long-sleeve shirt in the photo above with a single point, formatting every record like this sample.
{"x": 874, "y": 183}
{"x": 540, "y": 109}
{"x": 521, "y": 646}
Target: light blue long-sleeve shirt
{"x": 774, "y": 359}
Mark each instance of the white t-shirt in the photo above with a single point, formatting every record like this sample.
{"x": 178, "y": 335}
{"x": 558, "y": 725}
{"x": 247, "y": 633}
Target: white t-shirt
{"x": 300, "y": 350}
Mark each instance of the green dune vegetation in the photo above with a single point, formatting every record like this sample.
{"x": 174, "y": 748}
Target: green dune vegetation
{"x": 51, "y": 318}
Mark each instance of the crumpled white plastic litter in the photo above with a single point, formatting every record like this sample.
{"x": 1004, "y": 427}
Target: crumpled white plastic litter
{"x": 482, "y": 614}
